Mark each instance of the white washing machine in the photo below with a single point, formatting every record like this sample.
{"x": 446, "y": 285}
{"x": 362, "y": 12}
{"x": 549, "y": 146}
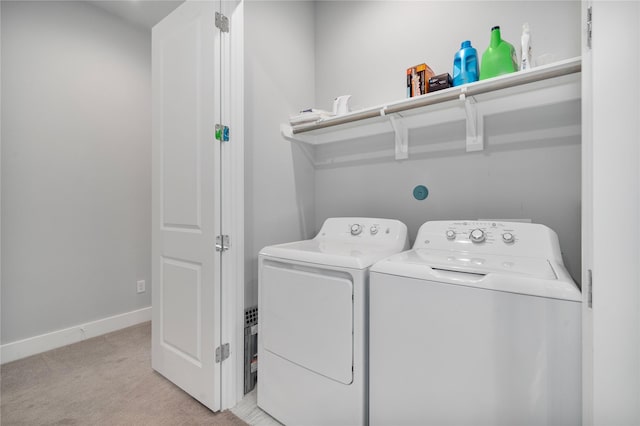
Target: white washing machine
{"x": 478, "y": 324}
{"x": 312, "y": 349}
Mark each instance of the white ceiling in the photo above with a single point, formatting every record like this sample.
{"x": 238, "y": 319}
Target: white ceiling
{"x": 144, "y": 13}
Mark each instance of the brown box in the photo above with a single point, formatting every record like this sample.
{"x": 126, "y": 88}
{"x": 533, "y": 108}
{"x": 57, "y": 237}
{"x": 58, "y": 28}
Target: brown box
{"x": 417, "y": 80}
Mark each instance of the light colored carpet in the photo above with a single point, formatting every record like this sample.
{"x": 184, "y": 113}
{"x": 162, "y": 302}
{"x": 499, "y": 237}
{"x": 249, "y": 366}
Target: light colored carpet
{"x": 106, "y": 380}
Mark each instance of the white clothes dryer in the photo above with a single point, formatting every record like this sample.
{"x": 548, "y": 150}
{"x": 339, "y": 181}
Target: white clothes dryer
{"x": 312, "y": 348}
{"x": 478, "y": 324}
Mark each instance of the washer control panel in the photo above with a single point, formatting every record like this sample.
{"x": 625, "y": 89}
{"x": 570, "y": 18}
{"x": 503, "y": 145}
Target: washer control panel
{"x": 481, "y": 232}
{"x": 514, "y": 238}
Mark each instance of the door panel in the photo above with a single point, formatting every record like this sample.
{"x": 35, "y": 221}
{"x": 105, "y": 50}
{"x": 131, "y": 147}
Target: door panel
{"x": 186, "y": 201}
{"x": 179, "y": 121}
{"x": 308, "y": 319}
{"x": 180, "y": 290}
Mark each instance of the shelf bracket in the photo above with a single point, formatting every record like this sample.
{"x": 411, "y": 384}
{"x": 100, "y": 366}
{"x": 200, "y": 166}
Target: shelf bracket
{"x": 401, "y": 138}
{"x": 475, "y": 123}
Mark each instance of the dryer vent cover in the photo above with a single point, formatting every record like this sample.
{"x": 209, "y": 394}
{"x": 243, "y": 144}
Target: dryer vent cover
{"x": 250, "y": 348}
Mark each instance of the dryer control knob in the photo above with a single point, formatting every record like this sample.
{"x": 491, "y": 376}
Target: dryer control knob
{"x": 374, "y": 229}
{"x": 451, "y": 235}
{"x": 508, "y": 237}
{"x": 477, "y": 235}
{"x": 356, "y": 229}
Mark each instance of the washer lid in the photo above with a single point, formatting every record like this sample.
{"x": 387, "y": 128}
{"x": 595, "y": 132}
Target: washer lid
{"x": 482, "y": 264}
{"x": 524, "y": 275}
{"x": 345, "y": 254}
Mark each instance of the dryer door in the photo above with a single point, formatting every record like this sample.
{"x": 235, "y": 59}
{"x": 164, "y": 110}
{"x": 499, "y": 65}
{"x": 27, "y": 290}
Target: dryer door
{"x": 307, "y": 318}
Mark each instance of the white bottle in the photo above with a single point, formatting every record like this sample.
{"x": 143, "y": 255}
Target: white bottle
{"x": 525, "y": 62}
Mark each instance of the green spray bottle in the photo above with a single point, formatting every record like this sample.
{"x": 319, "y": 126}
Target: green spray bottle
{"x": 499, "y": 58}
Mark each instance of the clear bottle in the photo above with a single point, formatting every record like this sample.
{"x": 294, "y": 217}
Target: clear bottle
{"x": 525, "y": 43}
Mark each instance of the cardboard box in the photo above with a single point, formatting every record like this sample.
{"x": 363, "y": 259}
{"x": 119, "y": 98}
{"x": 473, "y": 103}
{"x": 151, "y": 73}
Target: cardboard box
{"x": 417, "y": 80}
{"x": 439, "y": 82}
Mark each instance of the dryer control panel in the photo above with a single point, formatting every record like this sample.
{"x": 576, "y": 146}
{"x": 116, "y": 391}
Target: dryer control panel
{"x": 362, "y": 229}
{"x": 514, "y": 238}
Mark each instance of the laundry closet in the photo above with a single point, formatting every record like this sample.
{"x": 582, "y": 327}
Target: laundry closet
{"x": 503, "y": 153}
{"x": 530, "y": 150}
{"x": 532, "y": 165}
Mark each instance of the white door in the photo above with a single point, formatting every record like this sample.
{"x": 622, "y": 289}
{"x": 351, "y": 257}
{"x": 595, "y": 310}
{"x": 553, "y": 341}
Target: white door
{"x": 611, "y": 244}
{"x": 186, "y": 191}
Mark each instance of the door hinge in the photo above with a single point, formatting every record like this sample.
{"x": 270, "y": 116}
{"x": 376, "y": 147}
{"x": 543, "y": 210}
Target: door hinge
{"x": 222, "y": 133}
{"x": 589, "y": 26}
{"x": 222, "y": 22}
{"x": 589, "y": 288}
{"x": 222, "y": 352}
{"x": 222, "y": 243}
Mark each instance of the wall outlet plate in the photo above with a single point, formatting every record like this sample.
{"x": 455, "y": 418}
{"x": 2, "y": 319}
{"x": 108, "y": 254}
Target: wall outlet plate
{"x": 141, "y": 287}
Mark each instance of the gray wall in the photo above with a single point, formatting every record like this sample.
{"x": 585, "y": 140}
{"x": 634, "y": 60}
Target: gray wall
{"x": 364, "y": 48}
{"x": 279, "y": 80}
{"x": 75, "y": 166}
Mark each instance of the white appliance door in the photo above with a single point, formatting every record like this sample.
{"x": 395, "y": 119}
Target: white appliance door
{"x": 307, "y": 319}
{"x": 446, "y": 354}
{"x": 185, "y": 201}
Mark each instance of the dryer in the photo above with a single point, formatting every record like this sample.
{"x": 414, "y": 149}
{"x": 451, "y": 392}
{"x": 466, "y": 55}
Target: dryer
{"x": 312, "y": 333}
{"x": 478, "y": 324}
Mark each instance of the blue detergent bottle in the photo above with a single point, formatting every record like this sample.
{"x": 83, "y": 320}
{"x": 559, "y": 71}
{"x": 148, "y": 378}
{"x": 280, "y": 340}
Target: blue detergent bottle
{"x": 465, "y": 64}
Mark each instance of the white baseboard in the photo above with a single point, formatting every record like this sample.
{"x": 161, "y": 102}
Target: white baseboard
{"x": 45, "y": 342}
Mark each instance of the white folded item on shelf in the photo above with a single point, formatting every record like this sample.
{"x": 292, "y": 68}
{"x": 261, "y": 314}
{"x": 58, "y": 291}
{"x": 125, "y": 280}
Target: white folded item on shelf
{"x": 309, "y": 116}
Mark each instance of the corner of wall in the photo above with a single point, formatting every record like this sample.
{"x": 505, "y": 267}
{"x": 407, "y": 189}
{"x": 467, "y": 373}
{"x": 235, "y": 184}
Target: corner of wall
{"x": 279, "y": 79}
{"x": 0, "y": 173}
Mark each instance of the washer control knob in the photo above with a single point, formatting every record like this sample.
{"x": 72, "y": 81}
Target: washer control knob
{"x": 477, "y": 235}
{"x": 374, "y": 229}
{"x": 356, "y": 229}
{"x": 508, "y": 237}
{"x": 451, "y": 235}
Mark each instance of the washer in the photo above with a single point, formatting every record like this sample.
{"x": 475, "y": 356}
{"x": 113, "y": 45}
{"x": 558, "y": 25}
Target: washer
{"x": 312, "y": 348}
{"x": 478, "y": 324}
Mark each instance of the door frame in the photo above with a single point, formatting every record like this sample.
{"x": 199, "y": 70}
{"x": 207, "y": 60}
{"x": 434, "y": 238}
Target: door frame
{"x": 232, "y": 155}
{"x": 587, "y": 220}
